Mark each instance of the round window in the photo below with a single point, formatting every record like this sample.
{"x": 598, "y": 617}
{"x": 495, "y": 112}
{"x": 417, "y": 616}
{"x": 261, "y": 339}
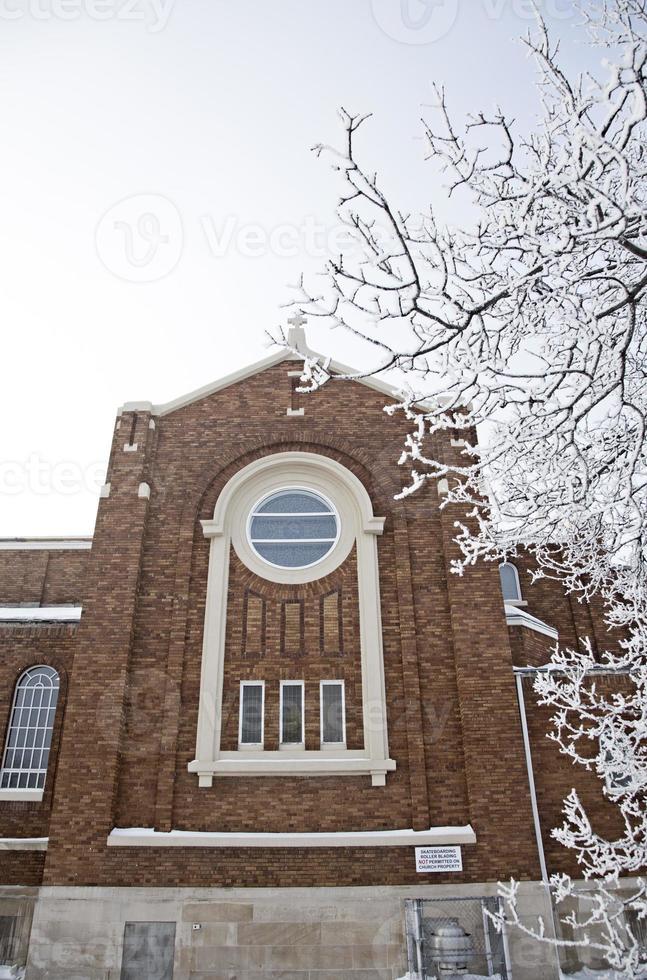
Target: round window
{"x": 293, "y": 528}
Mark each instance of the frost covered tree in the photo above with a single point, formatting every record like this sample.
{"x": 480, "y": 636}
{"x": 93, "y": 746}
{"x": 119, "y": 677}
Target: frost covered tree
{"x": 530, "y": 323}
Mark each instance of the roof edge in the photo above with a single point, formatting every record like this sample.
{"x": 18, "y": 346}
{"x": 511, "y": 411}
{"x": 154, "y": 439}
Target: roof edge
{"x": 297, "y": 349}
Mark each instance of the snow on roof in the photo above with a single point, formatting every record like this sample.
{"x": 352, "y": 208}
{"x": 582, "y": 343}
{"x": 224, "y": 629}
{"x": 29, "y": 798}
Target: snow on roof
{"x": 45, "y": 544}
{"x": 514, "y": 616}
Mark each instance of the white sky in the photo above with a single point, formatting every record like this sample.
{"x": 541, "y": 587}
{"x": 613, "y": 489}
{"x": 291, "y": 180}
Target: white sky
{"x": 199, "y": 113}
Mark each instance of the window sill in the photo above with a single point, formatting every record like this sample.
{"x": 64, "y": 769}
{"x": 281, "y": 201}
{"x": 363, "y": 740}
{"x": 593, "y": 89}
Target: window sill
{"x": 30, "y": 795}
{"x": 516, "y": 602}
{"x": 294, "y": 762}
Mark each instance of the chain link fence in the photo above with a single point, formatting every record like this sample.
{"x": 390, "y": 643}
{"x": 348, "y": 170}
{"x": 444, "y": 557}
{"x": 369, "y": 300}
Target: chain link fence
{"x": 454, "y": 937}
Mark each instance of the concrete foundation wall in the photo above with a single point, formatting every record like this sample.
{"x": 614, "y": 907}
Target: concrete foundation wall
{"x": 249, "y": 934}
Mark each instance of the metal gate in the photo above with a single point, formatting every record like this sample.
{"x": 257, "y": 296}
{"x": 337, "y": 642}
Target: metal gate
{"x": 454, "y": 937}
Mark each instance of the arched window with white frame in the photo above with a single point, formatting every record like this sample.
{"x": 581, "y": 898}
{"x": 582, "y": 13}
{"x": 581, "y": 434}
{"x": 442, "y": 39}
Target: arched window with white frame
{"x": 29, "y": 735}
{"x": 293, "y": 518}
{"x": 510, "y": 585}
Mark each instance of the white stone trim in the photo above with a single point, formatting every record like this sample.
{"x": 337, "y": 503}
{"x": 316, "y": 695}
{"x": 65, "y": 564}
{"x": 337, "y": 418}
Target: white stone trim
{"x": 104, "y": 491}
{"x": 40, "y": 614}
{"x": 45, "y": 544}
{"x": 193, "y": 396}
{"x": 359, "y": 526}
{"x": 514, "y": 616}
{"x": 294, "y": 761}
{"x": 147, "y": 837}
{"x": 29, "y": 795}
{"x": 335, "y": 367}
{"x": 130, "y": 447}
{"x": 23, "y": 843}
{"x": 144, "y": 491}
{"x": 276, "y": 472}
{"x": 136, "y": 407}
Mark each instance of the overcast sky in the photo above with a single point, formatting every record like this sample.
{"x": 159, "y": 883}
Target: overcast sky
{"x": 158, "y": 195}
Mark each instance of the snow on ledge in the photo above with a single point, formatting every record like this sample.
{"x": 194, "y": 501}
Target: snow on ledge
{"x": 147, "y": 837}
{"x": 40, "y": 614}
{"x": 45, "y": 544}
{"x": 23, "y": 843}
{"x": 514, "y": 616}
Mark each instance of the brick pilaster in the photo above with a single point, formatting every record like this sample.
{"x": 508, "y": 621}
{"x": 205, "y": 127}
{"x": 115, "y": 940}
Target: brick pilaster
{"x": 88, "y": 768}
{"x": 411, "y": 678}
{"x": 495, "y": 770}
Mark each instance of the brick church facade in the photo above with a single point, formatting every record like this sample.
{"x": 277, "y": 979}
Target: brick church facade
{"x": 258, "y": 690}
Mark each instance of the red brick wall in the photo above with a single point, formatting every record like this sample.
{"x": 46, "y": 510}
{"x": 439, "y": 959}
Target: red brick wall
{"x": 275, "y": 663}
{"x": 46, "y": 577}
{"x": 573, "y": 619}
{"x": 555, "y": 776}
{"x": 131, "y": 721}
{"x": 20, "y": 648}
{"x": 133, "y": 772}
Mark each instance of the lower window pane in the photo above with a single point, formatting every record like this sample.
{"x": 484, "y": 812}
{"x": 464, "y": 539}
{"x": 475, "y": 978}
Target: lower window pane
{"x": 292, "y": 714}
{"x": 251, "y": 720}
{"x": 332, "y": 712}
{"x": 293, "y": 554}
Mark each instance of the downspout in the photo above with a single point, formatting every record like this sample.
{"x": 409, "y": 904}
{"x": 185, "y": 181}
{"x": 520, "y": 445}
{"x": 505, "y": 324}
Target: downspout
{"x": 531, "y": 777}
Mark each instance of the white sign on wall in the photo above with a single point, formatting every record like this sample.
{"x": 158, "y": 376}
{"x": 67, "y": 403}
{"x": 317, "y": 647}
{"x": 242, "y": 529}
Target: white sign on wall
{"x": 439, "y": 859}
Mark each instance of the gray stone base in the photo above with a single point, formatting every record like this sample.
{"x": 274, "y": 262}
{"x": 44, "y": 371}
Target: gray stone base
{"x": 252, "y": 933}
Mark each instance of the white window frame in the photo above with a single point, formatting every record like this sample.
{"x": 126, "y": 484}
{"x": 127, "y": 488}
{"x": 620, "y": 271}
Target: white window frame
{"x": 333, "y": 513}
{"x": 359, "y": 529}
{"x": 250, "y": 746}
{"x": 519, "y": 601}
{"x": 338, "y": 683}
{"x": 24, "y": 793}
{"x": 292, "y": 745}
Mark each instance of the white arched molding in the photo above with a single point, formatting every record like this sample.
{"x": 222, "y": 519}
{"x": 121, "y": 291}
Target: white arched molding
{"x": 358, "y": 525}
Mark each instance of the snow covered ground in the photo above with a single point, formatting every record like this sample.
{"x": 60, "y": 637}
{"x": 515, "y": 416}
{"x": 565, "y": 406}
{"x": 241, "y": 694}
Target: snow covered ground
{"x": 463, "y": 976}
{"x": 586, "y": 974}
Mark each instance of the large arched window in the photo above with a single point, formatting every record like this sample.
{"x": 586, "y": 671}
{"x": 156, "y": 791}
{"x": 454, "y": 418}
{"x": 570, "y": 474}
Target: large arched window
{"x": 26, "y": 754}
{"x": 293, "y": 518}
{"x": 510, "y": 582}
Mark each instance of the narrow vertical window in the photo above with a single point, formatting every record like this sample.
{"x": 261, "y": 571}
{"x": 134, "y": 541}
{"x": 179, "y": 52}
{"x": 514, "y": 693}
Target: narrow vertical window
{"x": 510, "y": 582}
{"x": 252, "y": 705}
{"x": 29, "y": 737}
{"x": 333, "y": 721}
{"x": 292, "y": 722}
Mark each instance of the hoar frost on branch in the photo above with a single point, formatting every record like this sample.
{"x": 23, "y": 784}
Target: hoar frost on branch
{"x": 530, "y": 326}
